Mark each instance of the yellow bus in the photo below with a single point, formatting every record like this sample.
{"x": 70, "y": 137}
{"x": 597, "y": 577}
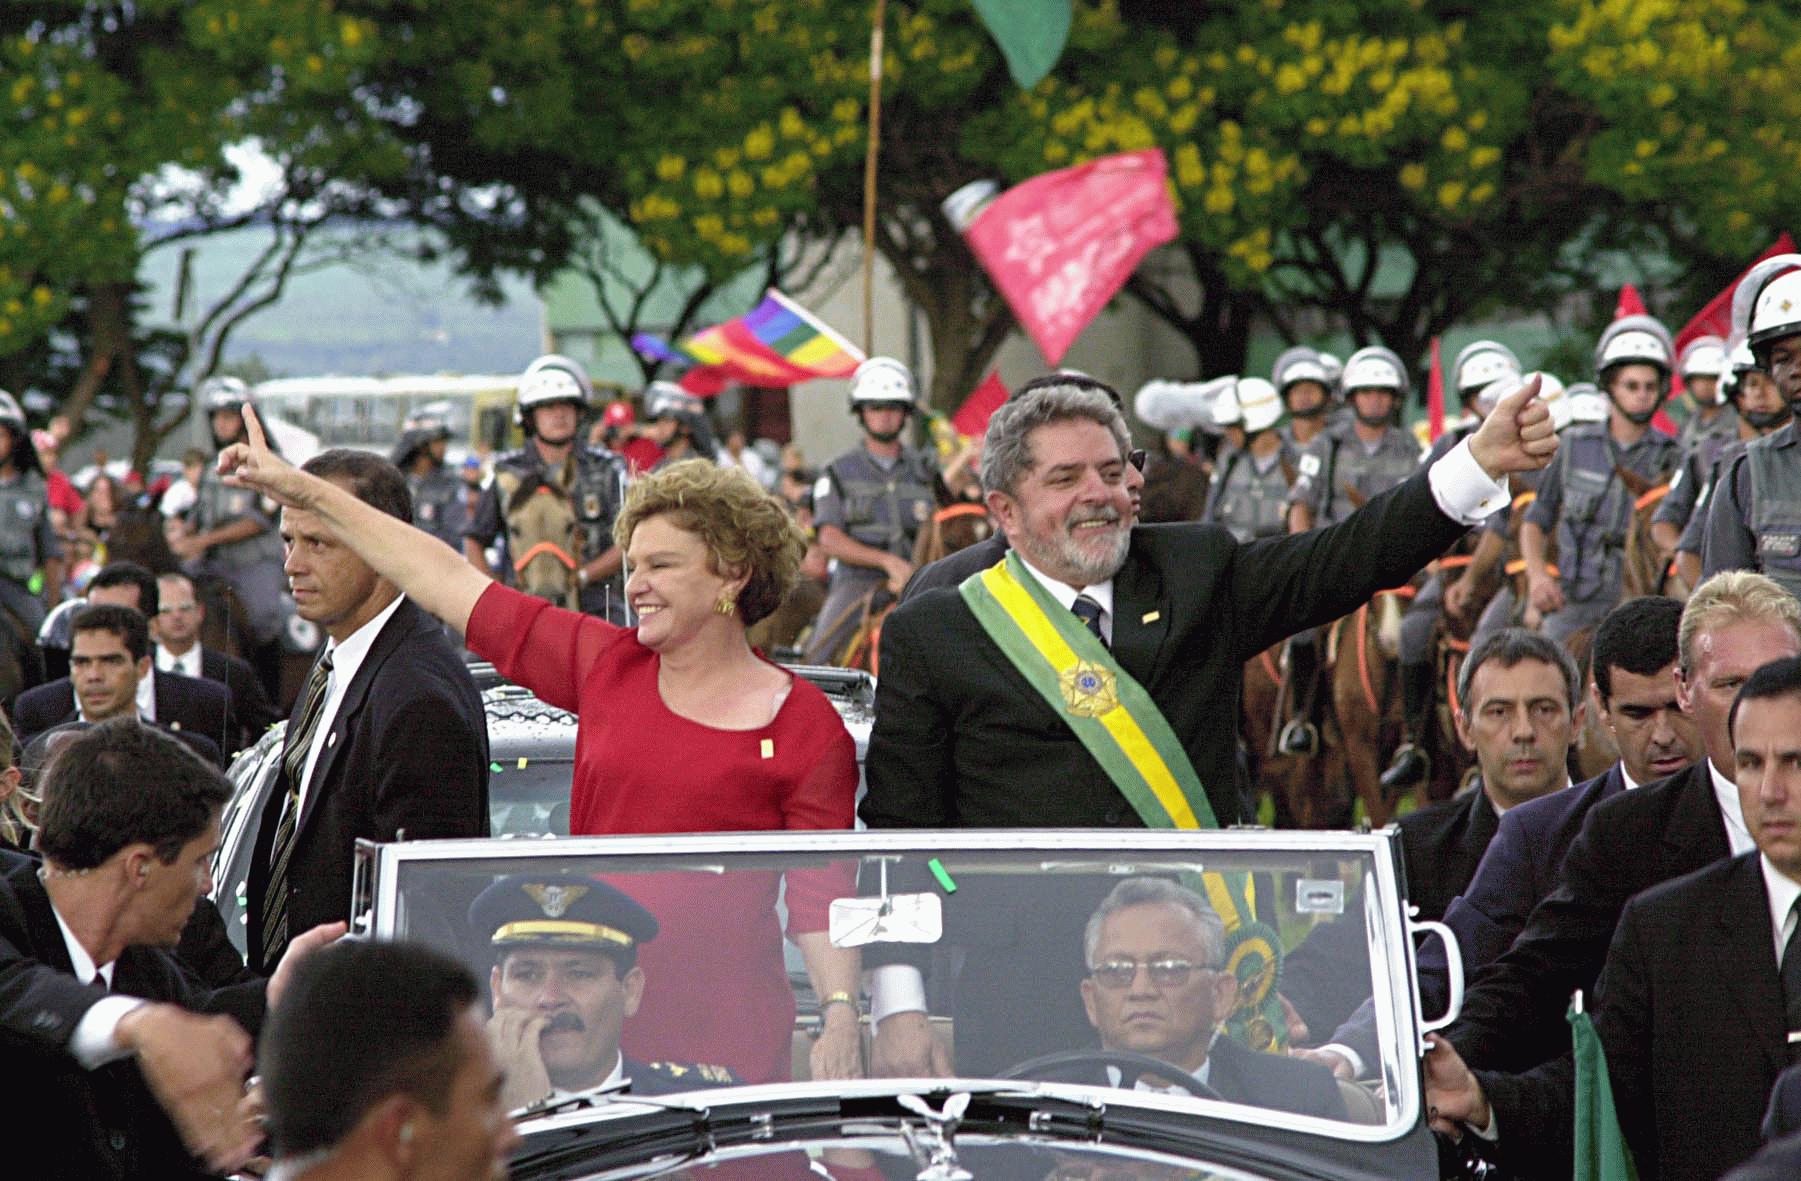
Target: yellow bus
{"x": 367, "y": 412}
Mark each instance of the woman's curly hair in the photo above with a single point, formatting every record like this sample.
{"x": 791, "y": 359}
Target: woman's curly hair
{"x": 745, "y": 529}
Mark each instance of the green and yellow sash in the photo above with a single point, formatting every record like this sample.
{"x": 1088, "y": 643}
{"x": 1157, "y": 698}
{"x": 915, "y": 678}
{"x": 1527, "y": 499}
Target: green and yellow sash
{"x": 1123, "y": 729}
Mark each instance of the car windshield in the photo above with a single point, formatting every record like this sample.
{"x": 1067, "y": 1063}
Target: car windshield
{"x": 1153, "y": 966}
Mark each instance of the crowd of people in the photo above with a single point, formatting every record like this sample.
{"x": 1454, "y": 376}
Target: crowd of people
{"x": 1574, "y": 578}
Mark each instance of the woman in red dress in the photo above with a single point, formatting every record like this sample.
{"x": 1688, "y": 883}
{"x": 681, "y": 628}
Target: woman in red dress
{"x": 682, "y": 728}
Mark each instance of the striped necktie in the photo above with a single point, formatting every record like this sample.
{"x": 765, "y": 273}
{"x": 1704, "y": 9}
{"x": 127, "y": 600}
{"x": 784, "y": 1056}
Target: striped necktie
{"x": 1089, "y": 612}
{"x": 1791, "y": 982}
{"x": 293, "y": 766}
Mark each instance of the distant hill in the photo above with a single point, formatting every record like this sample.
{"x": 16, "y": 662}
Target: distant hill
{"x": 376, "y": 315}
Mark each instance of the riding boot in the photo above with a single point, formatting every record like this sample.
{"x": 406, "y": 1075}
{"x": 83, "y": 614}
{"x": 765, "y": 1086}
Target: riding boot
{"x": 1300, "y": 736}
{"x": 1410, "y": 764}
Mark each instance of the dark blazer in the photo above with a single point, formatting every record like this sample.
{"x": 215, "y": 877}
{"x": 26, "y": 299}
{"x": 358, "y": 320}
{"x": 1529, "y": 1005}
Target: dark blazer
{"x": 1273, "y": 1081}
{"x": 961, "y": 738}
{"x": 102, "y": 1123}
{"x": 1441, "y": 846}
{"x": 1780, "y": 1160}
{"x": 952, "y": 569}
{"x": 191, "y": 705}
{"x": 1513, "y": 1013}
{"x": 407, "y": 752}
{"x": 1689, "y": 1009}
{"x": 250, "y": 709}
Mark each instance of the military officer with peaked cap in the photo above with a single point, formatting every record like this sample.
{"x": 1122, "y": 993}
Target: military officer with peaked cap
{"x": 564, "y": 981}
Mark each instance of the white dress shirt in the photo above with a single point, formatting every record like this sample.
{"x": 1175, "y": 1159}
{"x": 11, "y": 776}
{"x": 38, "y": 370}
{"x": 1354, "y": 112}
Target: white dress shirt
{"x": 1066, "y": 595}
{"x": 346, "y": 659}
{"x": 1782, "y": 891}
{"x": 1726, "y": 792}
{"x": 94, "y": 1041}
{"x": 188, "y": 664}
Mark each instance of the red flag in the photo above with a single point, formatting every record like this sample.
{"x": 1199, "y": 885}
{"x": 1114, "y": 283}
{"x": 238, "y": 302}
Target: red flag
{"x": 1062, "y": 244}
{"x": 1629, "y": 304}
{"x": 971, "y": 418}
{"x": 1435, "y": 396}
{"x": 1716, "y": 318}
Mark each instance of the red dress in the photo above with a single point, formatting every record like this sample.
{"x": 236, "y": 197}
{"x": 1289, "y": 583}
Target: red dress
{"x": 715, "y": 990}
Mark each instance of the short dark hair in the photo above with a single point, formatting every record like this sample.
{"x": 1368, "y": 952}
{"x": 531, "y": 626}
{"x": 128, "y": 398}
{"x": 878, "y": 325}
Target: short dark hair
{"x": 1510, "y": 646}
{"x": 372, "y": 479}
{"x": 121, "y": 782}
{"x": 122, "y": 621}
{"x": 1779, "y": 678}
{"x": 129, "y": 574}
{"x": 1638, "y": 636}
{"x": 360, "y": 1022}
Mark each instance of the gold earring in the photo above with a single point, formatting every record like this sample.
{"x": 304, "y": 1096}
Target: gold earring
{"x": 726, "y": 605}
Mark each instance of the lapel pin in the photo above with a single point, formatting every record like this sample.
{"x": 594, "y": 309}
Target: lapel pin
{"x": 331, "y": 739}
{"x": 1151, "y": 617}
{"x": 768, "y": 748}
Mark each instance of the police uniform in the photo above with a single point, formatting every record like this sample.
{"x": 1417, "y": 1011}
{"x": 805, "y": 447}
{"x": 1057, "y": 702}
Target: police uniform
{"x": 1700, "y": 454}
{"x": 1582, "y": 497}
{"x": 1694, "y": 533}
{"x": 252, "y": 566}
{"x": 1504, "y": 607}
{"x": 1754, "y": 515}
{"x": 1339, "y": 463}
{"x": 596, "y": 490}
{"x": 573, "y": 912}
{"x": 26, "y": 543}
{"x": 438, "y": 506}
{"x": 1723, "y": 427}
{"x": 1250, "y": 496}
{"x": 882, "y": 504}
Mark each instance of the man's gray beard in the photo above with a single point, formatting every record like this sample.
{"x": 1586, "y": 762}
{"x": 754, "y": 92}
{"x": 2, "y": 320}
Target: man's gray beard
{"x": 1066, "y": 557}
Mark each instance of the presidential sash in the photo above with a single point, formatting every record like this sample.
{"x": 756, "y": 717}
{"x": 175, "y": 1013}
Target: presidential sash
{"x": 1120, "y": 725}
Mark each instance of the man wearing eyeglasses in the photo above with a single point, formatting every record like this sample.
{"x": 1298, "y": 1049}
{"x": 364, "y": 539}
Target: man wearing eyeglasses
{"x": 1156, "y": 986}
{"x": 175, "y": 624}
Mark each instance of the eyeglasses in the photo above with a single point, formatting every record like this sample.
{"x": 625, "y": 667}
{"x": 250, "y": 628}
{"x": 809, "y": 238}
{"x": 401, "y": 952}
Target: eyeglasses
{"x": 1137, "y": 458}
{"x": 180, "y": 609}
{"x": 1165, "y": 973}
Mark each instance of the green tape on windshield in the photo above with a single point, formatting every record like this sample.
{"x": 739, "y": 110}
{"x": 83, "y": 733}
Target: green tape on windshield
{"x": 944, "y": 879}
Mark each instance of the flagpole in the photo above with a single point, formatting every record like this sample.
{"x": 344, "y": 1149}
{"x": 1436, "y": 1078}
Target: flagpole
{"x": 869, "y": 174}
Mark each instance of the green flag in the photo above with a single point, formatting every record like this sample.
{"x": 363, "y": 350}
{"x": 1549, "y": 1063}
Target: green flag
{"x": 1601, "y": 1150}
{"x": 1031, "y": 34}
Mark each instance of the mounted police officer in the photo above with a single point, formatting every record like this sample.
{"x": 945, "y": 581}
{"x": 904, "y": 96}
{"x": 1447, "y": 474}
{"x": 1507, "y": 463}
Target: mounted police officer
{"x": 589, "y": 480}
{"x": 1762, "y": 410}
{"x": 1702, "y": 365}
{"x": 234, "y": 538}
{"x": 1706, "y": 447}
{"x": 869, "y": 505}
{"x": 678, "y": 425}
{"x": 1482, "y": 372}
{"x": 1754, "y": 514}
{"x": 28, "y": 544}
{"x": 1338, "y": 473}
{"x": 1252, "y": 480}
{"x": 1585, "y": 497}
{"x": 1308, "y": 389}
{"x": 438, "y": 504}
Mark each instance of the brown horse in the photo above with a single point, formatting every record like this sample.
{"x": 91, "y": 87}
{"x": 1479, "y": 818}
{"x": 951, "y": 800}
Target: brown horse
{"x": 1644, "y": 569}
{"x": 543, "y": 537}
{"x": 1302, "y": 789}
{"x": 1362, "y": 659}
{"x": 951, "y": 528}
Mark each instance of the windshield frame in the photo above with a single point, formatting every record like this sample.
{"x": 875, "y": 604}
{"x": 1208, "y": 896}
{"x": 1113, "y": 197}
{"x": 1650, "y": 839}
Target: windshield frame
{"x": 1391, "y": 957}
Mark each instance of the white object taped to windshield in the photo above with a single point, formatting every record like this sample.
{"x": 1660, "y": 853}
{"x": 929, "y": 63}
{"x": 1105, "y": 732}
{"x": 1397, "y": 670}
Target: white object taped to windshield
{"x": 893, "y": 918}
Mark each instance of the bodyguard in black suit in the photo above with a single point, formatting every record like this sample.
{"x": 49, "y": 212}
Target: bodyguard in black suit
{"x": 176, "y": 627}
{"x": 388, "y": 741}
{"x": 197, "y": 711}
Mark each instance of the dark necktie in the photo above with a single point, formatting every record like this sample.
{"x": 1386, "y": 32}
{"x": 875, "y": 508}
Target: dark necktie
{"x": 293, "y": 764}
{"x": 1089, "y": 612}
{"x": 1791, "y": 982}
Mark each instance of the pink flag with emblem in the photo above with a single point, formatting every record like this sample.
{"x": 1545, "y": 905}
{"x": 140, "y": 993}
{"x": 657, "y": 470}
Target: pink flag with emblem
{"x": 1061, "y": 245}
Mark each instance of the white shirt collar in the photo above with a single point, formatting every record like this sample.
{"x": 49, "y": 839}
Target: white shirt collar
{"x": 1782, "y": 891}
{"x": 346, "y": 659}
{"x": 1738, "y": 837}
{"x": 1201, "y": 1076}
{"x": 1626, "y": 777}
{"x": 78, "y": 955}
{"x": 1100, "y": 592}
{"x": 615, "y": 1078}
{"x": 188, "y": 664}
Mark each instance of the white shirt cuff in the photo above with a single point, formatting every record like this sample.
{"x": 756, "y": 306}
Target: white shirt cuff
{"x": 895, "y": 988}
{"x": 1349, "y": 1055}
{"x": 1492, "y": 1131}
{"x": 1464, "y": 491}
{"x": 95, "y": 1041}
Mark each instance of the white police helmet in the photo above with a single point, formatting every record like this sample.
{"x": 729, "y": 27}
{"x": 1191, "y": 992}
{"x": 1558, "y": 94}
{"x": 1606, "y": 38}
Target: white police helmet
{"x": 1704, "y": 356}
{"x": 223, "y": 393}
{"x": 1480, "y": 364}
{"x": 1634, "y": 340}
{"x": 665, "y": 399}
{"x": 1259, "y": 403}
{"x": 1374, "y": 367}
{"x": 881, "y": 381}
{"x": 1298, "y": 364}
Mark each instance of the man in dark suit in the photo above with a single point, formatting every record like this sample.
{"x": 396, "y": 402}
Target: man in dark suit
{"x": 119, "y": 1074}
{"x": 388, "y": 738}
{"x": 1513, "y": 1014}
{"x": 176, "y": 626}
{"x": 1157, "y": 986}
{"x": 1699, "y": 1004}
{"x": 1520, "y": 698}
{"x": 963, "y": 738}
{"x": 110, "y": 670}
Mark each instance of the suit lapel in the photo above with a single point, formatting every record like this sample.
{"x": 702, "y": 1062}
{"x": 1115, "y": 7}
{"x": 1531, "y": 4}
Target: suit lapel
{"x": 1745, "y": 958}
{"x": 398, "y": 626}
{"x": 46, "y": 935}
{"x": 1696, "y": 833}
{"x": 1141, "y": 618}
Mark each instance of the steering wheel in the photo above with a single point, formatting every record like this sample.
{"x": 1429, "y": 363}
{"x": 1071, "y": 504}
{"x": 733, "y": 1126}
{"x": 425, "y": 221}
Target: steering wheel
{"x": 1070, "y": 1064}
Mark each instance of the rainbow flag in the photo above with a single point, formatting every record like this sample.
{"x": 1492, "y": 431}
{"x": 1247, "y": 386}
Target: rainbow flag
{"x": 795, "y": 334}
